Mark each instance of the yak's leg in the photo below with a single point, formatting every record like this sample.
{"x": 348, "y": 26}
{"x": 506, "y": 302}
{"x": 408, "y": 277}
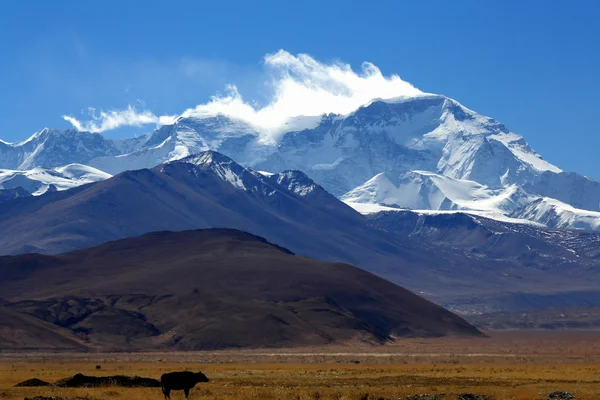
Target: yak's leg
{"x": 167, "y": 392}
{"x": 187, "y": 393}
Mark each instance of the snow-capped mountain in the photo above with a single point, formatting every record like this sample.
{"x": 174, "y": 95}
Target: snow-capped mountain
{"x": 428, "y": 133}
{"x": 37, "y": 181}
{"x": 556, "y": 214}
{"x": 422, "y": 190}
{"x": 186, "y": 137}
{"x": 51, "y": 148}
{"x": 433, "y": 153}
{"x": 568, "y": 187}
{"x": 427, "y": 192}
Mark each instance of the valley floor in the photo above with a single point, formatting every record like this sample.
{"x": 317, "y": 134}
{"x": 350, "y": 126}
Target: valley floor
{"x": 507, "y": 365}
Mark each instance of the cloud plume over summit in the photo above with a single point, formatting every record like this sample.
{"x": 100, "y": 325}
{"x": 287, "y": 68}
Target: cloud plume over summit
{"x": 112, "y": 119}
{"x": 299, "y": 86}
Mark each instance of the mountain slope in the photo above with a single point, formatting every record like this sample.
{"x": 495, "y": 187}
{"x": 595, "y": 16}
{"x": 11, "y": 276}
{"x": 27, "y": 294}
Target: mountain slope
{"x": 556, "y": 214}
{"x": 38, "y": 181}
{"x": 568, "y": 187}
{"x": 208, "y": 190}
{"x": 431, "y": 133}
{"x": 513, "y": 249}
{"x": 13, "y": 194}
{"x": 223, "y": 288}
{"x": 51, "y": 148}
{"x": 424, "y": 190}
{"x": 19, "y": 331}
{"x": 186, "y": 137}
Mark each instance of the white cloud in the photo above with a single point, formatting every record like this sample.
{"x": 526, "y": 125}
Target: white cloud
{"x": 301, "y": 86}
{"x": 73, "y": 121}
{"x": 107, "y": 120}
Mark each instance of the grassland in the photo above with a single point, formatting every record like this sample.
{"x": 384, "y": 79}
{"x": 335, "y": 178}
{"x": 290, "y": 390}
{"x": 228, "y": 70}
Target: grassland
{"x": 506, "y": 366}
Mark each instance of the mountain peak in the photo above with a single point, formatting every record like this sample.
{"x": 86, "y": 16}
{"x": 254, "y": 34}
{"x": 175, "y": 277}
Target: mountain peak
{"x": 223, "y": 166}
{"x": 296, "y": 181}
{"x": 204, "y": 158}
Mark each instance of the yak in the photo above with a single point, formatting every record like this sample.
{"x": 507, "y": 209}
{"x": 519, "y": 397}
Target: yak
{"x": 183, "y": 380}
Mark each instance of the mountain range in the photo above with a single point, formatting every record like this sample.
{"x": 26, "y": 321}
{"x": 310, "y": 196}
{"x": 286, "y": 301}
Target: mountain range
{"x": 422, "y": 191}
{"x": 469, "y": 263}
{"x": 424, "y": 153}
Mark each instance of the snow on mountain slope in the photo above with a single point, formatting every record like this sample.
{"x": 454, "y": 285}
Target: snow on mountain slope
{"x": 187, "y": 136}
{"x": 82, "y": 173}
{"x": 51, "y": 148}
{"x": 223, "y": 167}
{"x": 568, "y": 187}
{"x": 374, "y": 208}
{"x": 517, "y": 145}
{"x": 430, "y": 133}
{"x": 38, "y": 180}
{"x": 296, "y": 182}
{"x": 424, "y": 190}
{"x": 556, "y": 214}
{"x": 259, "y": 184}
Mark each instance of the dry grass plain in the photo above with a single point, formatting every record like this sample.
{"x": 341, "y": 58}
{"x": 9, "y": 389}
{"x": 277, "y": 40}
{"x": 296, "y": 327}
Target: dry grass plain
{"x": 508, "y": 365}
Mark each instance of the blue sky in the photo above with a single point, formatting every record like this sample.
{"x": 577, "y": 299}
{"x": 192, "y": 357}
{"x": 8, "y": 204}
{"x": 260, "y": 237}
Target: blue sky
{"x": 532, "y": 65}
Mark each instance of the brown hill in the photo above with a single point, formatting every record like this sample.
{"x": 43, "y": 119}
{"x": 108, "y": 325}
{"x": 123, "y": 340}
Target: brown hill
{"x": 213, "y": 288}
{"x": 21, "y": 331}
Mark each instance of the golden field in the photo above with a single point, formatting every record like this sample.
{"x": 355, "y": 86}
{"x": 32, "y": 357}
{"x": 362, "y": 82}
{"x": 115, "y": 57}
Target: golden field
{"x": 505, "y": 366}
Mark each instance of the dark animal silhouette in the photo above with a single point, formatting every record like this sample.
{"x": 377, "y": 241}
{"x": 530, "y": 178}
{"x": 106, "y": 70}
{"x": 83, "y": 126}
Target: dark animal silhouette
{"x": 184, "y": 380}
